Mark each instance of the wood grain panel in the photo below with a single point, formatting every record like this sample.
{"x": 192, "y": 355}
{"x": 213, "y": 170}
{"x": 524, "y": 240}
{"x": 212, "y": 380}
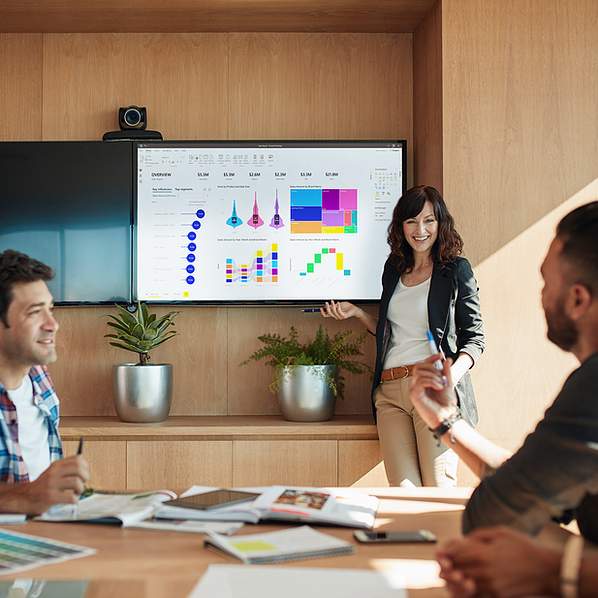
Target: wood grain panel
{"x": 298, "y": 463}
{"x": 360, "y": 464}
{"x": 212, "y": 16}
{"x": 318, "y": 86}
{"x": 248, "y": 384}
{"x": 180, "y": 79}
{"x": 178, "y": 465}
{"x": 427, "y": 99}
{"x": 82, "y": 374}
{"x": 107, "y": 462}
{"x": 21, "y": 76}
{"x": 347, "y": 427}
{"x": 520, "y": 138}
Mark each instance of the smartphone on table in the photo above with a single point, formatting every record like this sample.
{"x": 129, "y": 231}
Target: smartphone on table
{"x": 417, "y": 536}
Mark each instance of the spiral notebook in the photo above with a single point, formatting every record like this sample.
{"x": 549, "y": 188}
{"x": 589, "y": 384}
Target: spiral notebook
{"x": 281, "y": 546}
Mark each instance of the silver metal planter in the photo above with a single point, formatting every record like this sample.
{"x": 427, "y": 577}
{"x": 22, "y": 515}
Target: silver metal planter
{"x": 304, "y": 395}
{"x": 142, "y": 393}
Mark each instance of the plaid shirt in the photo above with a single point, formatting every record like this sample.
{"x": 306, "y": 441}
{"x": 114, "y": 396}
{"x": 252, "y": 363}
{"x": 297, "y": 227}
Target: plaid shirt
{"x": 12, "y": 466}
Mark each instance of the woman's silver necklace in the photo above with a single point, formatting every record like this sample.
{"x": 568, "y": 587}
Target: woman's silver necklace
{"x": 412, "y": 275}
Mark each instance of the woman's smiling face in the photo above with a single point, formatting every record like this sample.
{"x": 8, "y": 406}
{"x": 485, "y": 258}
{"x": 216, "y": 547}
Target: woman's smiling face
{"x": 421, "y": 231}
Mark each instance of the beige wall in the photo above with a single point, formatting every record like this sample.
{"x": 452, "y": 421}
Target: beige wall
{"x": 520, "y": 122}
{"x": 203, "y": 86}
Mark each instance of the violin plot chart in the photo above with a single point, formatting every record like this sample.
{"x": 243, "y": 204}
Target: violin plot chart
{"x": 234, "y": 220}
{"x": 276, "y": 221}
{"x": 255, "y": 221}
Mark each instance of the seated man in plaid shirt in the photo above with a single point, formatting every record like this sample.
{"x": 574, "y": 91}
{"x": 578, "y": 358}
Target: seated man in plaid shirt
{"x": 33, "y": 474}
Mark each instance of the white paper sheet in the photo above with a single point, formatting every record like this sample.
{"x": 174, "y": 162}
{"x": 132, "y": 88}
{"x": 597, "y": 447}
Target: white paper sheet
{"x": 263, "y": 581}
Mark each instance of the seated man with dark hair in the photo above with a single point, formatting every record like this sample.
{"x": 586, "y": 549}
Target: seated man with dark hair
{"x": 556, "y": 469}
{"x": 33, "y": 475}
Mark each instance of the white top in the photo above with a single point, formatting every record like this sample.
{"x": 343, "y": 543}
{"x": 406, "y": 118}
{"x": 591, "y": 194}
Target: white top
{"x": 408, "y": 317}
{"x": 33, "y": 430}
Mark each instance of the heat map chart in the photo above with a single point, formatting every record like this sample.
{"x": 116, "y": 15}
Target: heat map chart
{"x": 324, "y": 211}
{"x": 263, "y": 267}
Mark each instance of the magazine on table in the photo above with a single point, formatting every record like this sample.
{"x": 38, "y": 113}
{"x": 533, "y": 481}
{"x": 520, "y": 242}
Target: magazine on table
{"x": 107, "y": 507}
{"x": 287, "y": 503}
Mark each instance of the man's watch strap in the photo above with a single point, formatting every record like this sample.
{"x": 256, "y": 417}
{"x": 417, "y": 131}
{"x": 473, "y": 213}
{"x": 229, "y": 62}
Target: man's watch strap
{"x": 446, "y": 425}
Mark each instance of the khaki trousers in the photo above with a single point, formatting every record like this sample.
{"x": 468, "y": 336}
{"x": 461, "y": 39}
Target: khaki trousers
{"x": 411, "y": 454}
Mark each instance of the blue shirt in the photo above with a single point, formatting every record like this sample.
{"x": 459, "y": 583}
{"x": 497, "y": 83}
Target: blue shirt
{"x": 12, "y": 467}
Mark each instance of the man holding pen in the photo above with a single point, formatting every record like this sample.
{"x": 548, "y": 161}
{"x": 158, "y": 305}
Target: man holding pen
{"x": 556, "y": 469}
{"x": 33, "y": 475}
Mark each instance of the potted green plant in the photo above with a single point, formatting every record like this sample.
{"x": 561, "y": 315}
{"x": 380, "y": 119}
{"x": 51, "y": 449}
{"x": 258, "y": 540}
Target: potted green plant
{"x": 307, "y": 375}
{"x": 142, "y": 391}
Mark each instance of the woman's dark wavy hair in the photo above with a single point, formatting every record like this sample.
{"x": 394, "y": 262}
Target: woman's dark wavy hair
{"x": 447, "y": 245}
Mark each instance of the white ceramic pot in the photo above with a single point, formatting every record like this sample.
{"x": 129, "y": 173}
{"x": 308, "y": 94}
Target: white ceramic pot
{"x": 304, "y": 395}
{"x": 142, "y": 393}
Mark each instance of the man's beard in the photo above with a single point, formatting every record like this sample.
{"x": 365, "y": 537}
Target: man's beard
{"x": 561, "y": 329}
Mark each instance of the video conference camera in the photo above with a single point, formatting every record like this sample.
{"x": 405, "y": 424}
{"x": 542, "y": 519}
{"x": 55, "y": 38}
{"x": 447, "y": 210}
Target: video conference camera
{"x": 132, "y": 121}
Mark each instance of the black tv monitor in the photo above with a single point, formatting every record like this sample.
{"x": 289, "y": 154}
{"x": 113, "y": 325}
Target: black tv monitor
{"x": 264, "y": 221}
{"x": 68, "y": 204}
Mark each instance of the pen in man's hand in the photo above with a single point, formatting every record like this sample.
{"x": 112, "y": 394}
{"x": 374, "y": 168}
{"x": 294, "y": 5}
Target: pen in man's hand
{"x": 80, "y": 449}
{"x": 435, "y": 351}
{"x": 311, "y": 310}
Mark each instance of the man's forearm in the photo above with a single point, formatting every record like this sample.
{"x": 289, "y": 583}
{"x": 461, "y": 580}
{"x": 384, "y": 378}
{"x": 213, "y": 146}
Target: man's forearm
{"x": 478, "y": 453}
{"x": 16, "y": 498}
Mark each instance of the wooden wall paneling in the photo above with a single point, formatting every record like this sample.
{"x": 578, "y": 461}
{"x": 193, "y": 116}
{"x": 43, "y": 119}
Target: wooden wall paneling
{"x": 212, "y": 16}
{"x": 21, "y": 76}
{"x": 518, "y": 81}
{"x": 180, "y": 78}
{"x": 427, "y": 99}
{"x": 199, "y": 355}
{"x": 360, "y": 464}
{"x": 249, "y": 384}
{"x": 319, "y": 86}
{"x": 177, "y": 465}
{"x": 107, "y": 462}
{"x": 82, "y": 374}
{"x": 293, "y": 462}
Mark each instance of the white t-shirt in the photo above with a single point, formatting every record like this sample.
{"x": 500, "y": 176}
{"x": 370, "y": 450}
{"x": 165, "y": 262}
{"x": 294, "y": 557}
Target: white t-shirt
{"x": 408, "y": 317}
{"x": 33, "y": 430}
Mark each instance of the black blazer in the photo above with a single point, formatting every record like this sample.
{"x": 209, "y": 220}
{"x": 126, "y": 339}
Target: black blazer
{"x": 454, "y": 318}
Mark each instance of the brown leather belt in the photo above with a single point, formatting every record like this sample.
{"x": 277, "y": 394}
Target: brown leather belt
{"x": 403, "y": 371}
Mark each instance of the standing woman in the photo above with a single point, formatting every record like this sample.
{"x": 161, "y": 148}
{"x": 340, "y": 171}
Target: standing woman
{"x": 425, "y": 285}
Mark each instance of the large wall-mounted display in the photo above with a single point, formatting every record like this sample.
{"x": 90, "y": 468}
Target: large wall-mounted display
{"x": 289, "y": 221}
{"x": 231, "y": 222}
{"x": 68, "y": 204}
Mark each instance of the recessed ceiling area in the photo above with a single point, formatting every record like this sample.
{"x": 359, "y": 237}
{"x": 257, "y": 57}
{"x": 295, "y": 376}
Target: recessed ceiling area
{"x": 212, "y": 16}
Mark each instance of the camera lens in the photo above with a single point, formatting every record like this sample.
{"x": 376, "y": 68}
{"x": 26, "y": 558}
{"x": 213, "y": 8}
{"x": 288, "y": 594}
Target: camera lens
{"x": 132, "y": 117}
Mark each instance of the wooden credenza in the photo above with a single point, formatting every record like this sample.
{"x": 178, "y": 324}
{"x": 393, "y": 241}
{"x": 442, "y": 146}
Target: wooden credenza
{"x": 231, "y": 451}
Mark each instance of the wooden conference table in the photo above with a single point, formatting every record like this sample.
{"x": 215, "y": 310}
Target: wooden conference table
{"x": 157, "y": 564}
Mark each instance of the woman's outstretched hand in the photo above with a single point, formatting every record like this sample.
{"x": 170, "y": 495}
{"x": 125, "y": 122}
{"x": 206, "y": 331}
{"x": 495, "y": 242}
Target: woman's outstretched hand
{"x": 339, "y": 310}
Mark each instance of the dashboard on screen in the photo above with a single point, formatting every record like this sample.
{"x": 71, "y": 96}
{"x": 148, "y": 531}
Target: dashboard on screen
{"x": 289, "y": 221}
